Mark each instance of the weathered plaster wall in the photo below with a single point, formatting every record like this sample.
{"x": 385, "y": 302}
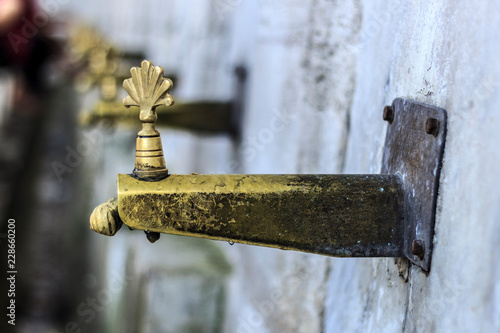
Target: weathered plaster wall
{"x": 320, "y": 73}
{"x": 443, "y": 54}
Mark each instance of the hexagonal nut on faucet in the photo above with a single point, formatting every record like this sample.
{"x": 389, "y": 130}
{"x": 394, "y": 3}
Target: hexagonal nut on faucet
{"x": 105, "y": 219}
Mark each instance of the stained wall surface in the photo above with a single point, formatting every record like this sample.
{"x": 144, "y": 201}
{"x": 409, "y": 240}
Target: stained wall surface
{"x": 319, "y": 75}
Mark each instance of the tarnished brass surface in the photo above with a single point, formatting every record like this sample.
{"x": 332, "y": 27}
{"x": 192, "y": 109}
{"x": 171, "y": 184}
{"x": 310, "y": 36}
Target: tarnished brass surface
{"x": 338, "y": 215}
{"x": 148, "y": 89}
{"x": 105, "y": 219}
{"x": 202, "y": 116}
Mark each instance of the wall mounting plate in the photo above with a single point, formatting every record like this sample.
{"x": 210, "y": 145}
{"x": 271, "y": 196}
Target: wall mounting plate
{"x": 414, "y": 148}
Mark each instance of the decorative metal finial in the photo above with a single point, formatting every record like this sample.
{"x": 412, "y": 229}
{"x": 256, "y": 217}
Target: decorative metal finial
{"x": 148, "y": 89}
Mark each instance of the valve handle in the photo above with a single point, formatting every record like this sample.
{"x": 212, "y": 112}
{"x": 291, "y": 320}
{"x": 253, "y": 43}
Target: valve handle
{"x": 148, "y": 89}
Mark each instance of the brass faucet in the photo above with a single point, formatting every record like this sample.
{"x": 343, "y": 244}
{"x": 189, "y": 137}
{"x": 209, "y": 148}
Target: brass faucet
{"x": 381, "y": 215}
{"x": 95, "y": 57}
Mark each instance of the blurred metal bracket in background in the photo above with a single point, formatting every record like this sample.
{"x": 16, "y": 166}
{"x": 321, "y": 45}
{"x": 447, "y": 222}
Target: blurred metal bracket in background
{"x": 205, "y": 116}
{"x": 106, "y": 67}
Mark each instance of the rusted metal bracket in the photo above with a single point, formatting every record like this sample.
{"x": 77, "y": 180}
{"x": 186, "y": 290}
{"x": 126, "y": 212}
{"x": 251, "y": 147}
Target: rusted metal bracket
{"x": 414, "y": 148}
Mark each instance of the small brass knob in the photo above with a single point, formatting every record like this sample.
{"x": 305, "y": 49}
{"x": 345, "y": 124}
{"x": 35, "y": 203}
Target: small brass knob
{"x": 148, "y": 89}
{"x": 105, "y": 219}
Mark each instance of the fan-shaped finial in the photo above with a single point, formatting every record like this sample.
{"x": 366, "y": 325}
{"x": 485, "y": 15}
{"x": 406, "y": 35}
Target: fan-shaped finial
{"x": 148, "y": 89}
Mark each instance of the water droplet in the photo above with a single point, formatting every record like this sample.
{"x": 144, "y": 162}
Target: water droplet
{"x": 152, "y": 236}
{"x": 230, "y": 243}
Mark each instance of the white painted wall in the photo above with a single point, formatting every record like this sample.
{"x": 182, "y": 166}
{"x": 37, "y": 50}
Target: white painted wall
{"x": 320, "y": 73}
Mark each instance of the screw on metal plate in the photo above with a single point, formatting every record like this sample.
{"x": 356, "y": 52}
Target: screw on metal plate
{"x": 418, "y": 248}
{"x": 388, "y": 114}
{"x": 414, "y": 149}
{"x": 432, "y": 126}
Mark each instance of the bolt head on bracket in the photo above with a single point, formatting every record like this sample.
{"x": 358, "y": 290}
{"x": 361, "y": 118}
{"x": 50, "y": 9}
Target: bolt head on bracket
{"x": 414, "y": 148}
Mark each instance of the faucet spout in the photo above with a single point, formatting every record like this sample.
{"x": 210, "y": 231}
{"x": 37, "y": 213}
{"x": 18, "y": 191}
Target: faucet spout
{"x": 336, "y": 215}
